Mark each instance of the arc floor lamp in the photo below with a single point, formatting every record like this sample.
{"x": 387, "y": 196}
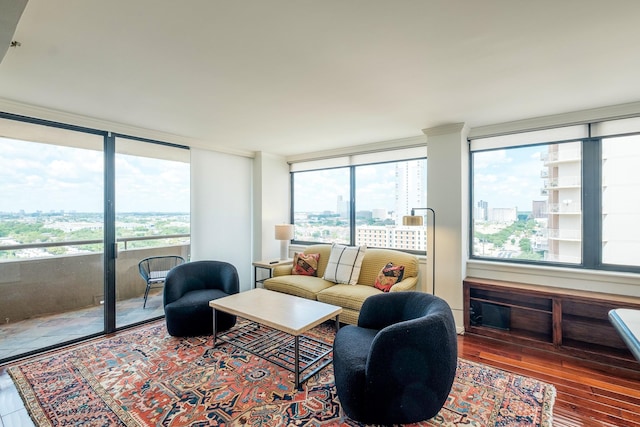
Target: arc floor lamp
{"x": 417, "y": 220}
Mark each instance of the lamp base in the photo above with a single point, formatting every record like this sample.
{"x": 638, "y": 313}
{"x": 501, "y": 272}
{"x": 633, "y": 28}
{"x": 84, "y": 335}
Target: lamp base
{"x": 284, "y": 250}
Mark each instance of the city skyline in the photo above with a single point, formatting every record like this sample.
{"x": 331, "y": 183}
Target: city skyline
{"x": 46, "y": 177}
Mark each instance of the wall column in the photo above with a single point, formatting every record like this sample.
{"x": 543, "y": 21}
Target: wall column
{"x": 448, "y": 195}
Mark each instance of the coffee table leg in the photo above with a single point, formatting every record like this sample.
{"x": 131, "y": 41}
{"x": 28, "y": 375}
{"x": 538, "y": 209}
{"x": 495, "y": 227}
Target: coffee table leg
{"x": 337, "y": 323}
{"x": 215, "y": 329}
{"x": 296, "y": 362}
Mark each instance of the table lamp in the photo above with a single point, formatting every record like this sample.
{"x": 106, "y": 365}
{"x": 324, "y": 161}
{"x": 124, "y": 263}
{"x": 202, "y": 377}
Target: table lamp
{"x": 284, "y": 233}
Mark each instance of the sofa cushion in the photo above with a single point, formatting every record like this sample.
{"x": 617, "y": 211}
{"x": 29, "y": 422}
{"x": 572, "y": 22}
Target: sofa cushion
{"x": 347, "y": 296}
{"x": 376, "y": 259}
{"x": 305, "y": 264}
{"x": 389, "y": 276}
{"x": 344, "y": 264}
{"x": 301, "y": 286}
{"x": 324, "y": 250}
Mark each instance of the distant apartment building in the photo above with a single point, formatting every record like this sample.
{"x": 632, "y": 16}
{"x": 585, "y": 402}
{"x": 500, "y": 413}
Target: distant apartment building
{"x": 379, "y": 214}
{"x": 398, "y": 237}
{"x": 539, "y": 209}
{"x": 503, "y": 215}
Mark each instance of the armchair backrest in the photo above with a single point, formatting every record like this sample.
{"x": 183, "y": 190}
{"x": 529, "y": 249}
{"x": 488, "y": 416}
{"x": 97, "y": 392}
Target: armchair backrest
{"x": 415, "y": 348}
{"x": 199, "y": 275}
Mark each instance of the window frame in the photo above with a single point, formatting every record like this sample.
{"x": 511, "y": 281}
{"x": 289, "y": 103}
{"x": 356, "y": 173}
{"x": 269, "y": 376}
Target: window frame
{"x": 352, "y": 200}
{"x": 591, "y": 210}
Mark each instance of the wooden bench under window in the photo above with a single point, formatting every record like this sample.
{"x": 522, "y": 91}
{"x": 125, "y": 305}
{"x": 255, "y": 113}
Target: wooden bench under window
{"x": 569, "y": 321}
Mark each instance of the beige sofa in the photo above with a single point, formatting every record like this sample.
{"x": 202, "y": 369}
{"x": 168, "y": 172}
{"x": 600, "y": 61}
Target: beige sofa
{"x": 349, "y": 297}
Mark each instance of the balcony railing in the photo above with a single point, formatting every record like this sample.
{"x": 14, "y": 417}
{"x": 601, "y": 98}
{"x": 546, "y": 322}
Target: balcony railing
{"x": 564, "y": 182}
{"x": 66, "y": 243}
{"x": 561, "y": 156}
{"x": 573, "y": 208}
{"x": 564, "y": 234}
{"x": 32, "y": 287}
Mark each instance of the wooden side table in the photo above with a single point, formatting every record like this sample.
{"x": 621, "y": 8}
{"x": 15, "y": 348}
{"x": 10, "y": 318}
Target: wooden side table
{"x": 267, "y": 265}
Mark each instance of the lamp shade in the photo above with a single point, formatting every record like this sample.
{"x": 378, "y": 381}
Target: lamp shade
{"x": 284, "y": 232}
{"x": 412, "y": 220}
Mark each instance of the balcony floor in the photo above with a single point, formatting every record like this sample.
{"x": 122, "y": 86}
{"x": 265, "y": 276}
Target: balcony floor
{"x": 32, "y": 334}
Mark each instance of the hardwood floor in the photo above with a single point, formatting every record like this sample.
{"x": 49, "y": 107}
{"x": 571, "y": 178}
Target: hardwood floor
{"x": 587, "y": 395}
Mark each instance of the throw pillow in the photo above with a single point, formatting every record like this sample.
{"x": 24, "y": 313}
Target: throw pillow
{"x": 305, "y": 264}
{"x": 344, "y": 264}
{"x": 389, "y": 276}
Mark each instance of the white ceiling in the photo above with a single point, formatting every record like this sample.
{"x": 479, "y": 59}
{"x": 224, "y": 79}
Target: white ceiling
{"x": 297, "y": 76}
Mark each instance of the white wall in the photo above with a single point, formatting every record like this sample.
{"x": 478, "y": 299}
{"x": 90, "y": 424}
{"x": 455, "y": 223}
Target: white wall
{"x": 221, "y": 210}
{"x": 272, "y": 201}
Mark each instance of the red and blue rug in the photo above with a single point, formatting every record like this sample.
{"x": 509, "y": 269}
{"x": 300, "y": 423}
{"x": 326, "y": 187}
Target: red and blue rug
{"x": 144, "y": 377}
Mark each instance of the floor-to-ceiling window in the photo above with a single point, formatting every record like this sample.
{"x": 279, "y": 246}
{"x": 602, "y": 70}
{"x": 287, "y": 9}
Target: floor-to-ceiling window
{"x": 152, "y": 219}
{"x": 68, "y": 197}
{"x": 51, "y": 235}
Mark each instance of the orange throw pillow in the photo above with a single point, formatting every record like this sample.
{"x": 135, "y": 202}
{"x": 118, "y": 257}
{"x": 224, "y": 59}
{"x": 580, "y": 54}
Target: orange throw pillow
{"x": 305, "y": 264}
{"x": 389, "y": 276}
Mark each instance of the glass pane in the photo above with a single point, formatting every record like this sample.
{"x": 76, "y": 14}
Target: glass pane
{"x": 385, "y": 193}
{"x": 152, "y": 220}
{"x": 51, "y": 238}
{"x": 621, "y": 200}
{"x": 527, "y": 203}
{"x": 321, "y": 206}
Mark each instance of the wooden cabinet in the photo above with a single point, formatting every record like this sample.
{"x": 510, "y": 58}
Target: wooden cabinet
{"x": 572, "y": 322}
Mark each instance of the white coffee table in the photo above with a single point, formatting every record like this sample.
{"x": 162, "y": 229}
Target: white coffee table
{"x": 277, "y": 332}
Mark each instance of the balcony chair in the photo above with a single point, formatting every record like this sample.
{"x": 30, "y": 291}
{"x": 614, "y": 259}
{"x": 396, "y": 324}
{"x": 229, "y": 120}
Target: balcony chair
{"x": 398, "y": 364}
{"x": 154, "y": 271}
{"x": 187, "y": 291}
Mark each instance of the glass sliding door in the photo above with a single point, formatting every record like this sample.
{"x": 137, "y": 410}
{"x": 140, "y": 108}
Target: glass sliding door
{"x": 152, "y": 214}
{"x": 51, "y": 236}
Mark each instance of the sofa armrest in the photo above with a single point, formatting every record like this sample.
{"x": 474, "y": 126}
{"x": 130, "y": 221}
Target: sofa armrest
{"x": 408, "y": 284}
{"x": 282, "y": 270}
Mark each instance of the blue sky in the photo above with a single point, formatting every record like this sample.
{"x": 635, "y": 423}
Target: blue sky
{"x": 508, "y": 178}
{"x": 318, "y": 191}
{"x": 46, "y": 177}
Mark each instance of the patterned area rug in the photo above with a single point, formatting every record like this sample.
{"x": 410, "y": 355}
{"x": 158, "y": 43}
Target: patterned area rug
{"x": 144, "y": 377}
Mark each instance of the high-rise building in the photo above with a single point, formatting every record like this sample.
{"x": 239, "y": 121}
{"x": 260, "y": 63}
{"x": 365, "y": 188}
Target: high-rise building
{"x": 411, "y": 182}
{"x": 342, "y": 207}
{"x": 482, "y": 210}
{"x": 563, "y": 188}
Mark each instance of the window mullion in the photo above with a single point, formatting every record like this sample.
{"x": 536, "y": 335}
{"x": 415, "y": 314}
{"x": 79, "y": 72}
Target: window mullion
{"x": 592, "y": 203}
{"x": 352, "y": 205}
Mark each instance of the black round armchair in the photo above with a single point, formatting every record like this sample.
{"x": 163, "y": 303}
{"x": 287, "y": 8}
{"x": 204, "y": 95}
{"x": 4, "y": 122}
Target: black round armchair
{"x": 187, "y": 291}
{"x": 398, "y": 364}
